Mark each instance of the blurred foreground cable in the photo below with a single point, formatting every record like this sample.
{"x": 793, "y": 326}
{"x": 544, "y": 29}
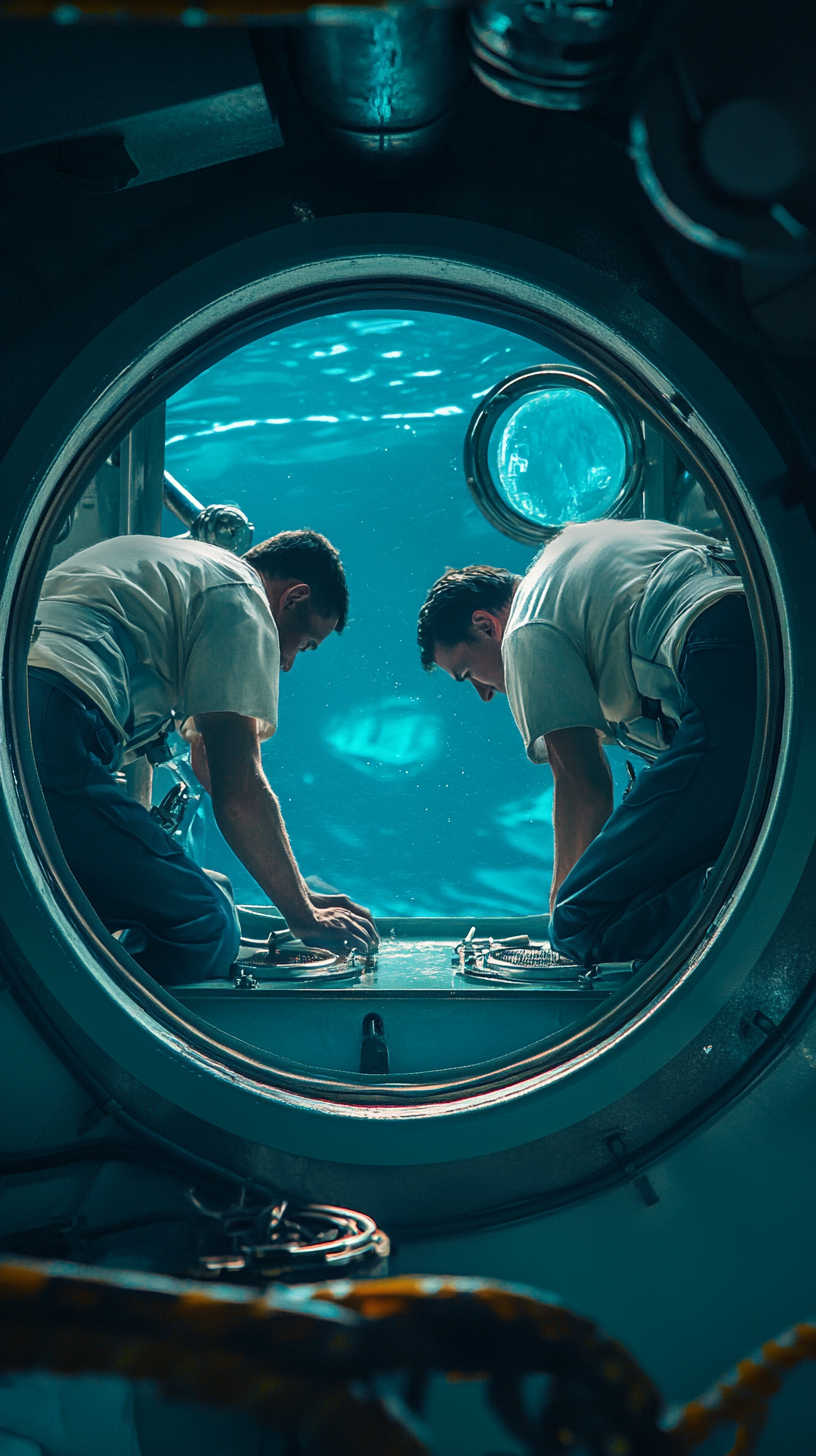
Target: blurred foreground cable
{"x": 178, "y": 12}
{"x": 332, "y": 1365}
{"x": 335, "y": 1367}
{"x": 743, "y": 1396}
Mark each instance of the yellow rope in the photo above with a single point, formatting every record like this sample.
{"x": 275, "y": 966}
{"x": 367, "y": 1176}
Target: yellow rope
{"x": 301, "y": 1359}
{"x": 294, "y": 1357}
{"x": 744, "y": 1395}
{"x": 153, "y": 12}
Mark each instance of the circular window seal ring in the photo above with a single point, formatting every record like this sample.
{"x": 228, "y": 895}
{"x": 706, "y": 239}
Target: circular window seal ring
{"x": 526, "y": 383}
{"x": 675, "y": 402}
{"x": 322, "y": 305}
{"x": 295, "y": 1078}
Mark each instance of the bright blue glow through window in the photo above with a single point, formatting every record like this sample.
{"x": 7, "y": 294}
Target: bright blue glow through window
{"x": 558, "y": 455}
{"x": 398, "y": 787}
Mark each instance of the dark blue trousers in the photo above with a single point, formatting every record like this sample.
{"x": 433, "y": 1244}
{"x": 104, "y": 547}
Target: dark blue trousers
{"x": 135, "y": 876}
{"x": 646, "y": 869}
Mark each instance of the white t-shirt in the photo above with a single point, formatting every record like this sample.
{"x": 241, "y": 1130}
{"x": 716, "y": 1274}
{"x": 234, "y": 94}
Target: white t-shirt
{"x": 155, "y": 629}
{"x": 566, "y": 646}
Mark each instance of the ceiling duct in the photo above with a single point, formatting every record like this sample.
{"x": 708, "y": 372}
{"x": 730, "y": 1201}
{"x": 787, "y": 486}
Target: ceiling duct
{"x": 723, "y": 141}
{"x": 384, "y": 80}
{"x": 556, "y": 54}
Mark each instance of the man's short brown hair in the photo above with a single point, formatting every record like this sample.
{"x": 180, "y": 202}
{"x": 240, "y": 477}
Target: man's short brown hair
{"x": 446, "y": 617}
{"x": 309, "y": 557}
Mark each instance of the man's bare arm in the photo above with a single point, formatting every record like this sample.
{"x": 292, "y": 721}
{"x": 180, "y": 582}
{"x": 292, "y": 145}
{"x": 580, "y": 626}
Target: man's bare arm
{"x": 582, "y": 796}
{"x": 139, "y": 782}
{"x": 249, "y": 817}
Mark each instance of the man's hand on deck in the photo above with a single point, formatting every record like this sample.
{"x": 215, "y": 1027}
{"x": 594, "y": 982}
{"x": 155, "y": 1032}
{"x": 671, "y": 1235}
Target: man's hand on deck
{"x": 336, "y": 930}
{"x": 342, "y": 902}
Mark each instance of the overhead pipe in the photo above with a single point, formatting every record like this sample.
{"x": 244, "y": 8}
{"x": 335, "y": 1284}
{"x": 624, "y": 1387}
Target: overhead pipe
{"x": 557, "y": 54}
{"x": 384, "y": 80}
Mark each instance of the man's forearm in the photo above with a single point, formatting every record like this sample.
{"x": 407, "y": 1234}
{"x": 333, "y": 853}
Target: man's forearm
{"x": 228, "y": 764}
{"x": 139, "y": 781}
{"x": 579, "y": 815}
{"x": 252, "y": 824}
{"x": 582, "y": 796}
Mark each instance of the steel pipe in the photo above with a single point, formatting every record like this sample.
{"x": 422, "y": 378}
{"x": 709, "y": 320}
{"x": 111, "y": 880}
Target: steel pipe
{"x": 224, "y": 526}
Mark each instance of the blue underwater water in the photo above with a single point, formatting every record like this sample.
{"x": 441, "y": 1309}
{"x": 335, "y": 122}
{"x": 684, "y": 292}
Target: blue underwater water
{"x": 398, "y": 787}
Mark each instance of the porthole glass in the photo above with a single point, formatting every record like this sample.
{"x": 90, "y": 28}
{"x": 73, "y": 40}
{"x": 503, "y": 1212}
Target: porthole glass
{"x": 547, "y": 446}
{"x": 559, "y": 456}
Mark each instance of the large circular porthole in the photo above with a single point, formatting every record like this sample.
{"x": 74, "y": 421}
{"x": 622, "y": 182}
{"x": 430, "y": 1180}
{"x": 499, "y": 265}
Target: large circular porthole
{"x": 666, "y": 427}
{"x": 550, "y": 445}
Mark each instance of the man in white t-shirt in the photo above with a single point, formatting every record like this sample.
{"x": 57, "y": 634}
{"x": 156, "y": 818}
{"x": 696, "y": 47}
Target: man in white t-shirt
{"x": 634, "y": 632}
{"x": 137, "y": 635}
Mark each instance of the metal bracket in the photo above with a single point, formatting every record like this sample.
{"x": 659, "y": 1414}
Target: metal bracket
{"x": 374, "y": 1047}
{"x": 617, "y": 1148}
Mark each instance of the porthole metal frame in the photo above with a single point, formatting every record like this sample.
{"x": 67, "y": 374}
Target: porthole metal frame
{"x": 241, "y": 1100}
{"x": 80, "y": 470}
{"x": 510, "y": 391}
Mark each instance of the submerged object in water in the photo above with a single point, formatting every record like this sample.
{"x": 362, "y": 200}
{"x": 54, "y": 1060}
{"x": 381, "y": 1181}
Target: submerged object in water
{"x": 386, "y": 738}
{"x": 526, "y": 825}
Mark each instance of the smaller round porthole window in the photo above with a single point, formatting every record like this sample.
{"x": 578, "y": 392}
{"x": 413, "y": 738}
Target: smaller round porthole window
{"x": 549, "y": 445}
